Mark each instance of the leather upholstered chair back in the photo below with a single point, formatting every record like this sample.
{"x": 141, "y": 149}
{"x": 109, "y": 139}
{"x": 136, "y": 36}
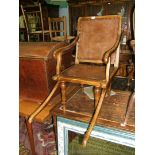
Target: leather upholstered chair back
{"x": 96, "y": 36}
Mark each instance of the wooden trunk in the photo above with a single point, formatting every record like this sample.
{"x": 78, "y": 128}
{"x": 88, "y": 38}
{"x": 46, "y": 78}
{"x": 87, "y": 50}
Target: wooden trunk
{"x": 36, "y": 68}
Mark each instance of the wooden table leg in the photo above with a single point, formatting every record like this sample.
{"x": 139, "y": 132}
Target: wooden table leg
{"x": 30, "y": 134}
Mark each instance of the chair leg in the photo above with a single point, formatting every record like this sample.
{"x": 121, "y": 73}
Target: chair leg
{"x": 55, "y": 129}
{"x": 43, "y": 37}
{"x": 128, "y": 109}
{"x": 130, "y": 71}
{"x": 63, "y": 93}
{"x": 109, "y": 89}
{"x": 97, "y": 92}
{"x": 94, "y": 118}
{"x": 55, "y": 125}
{"x": 28, "y": 37}
{"x": 82, "y": 87}
{"x": 30, "y": 134}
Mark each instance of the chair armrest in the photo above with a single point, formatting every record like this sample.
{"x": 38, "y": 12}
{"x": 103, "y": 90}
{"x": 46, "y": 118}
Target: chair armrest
{"x": 108, "y": 53}
{"x": 65, "y": 49}
{"x": 61, "y": 51}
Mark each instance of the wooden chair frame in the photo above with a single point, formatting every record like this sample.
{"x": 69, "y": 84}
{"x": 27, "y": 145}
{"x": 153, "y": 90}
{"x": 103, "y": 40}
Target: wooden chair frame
{"x": 58, "y": 29}
{"x": 105, "y": 86}
{"x": 27, "y": 26}
{"x": 99, "y": 94}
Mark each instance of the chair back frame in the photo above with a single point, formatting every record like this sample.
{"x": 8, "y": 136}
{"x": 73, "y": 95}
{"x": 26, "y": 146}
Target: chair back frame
{"x": 37, "y": 16}
{"x": 57, "y": 26}
{"x": 115, "y": 42}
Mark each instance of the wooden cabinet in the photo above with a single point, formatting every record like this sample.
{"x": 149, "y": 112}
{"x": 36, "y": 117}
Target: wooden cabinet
{"x": 106, "y": 7}
{"x": 36, "y": 68}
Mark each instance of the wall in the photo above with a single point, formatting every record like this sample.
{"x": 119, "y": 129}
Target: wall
{"x": 63, "y": 11}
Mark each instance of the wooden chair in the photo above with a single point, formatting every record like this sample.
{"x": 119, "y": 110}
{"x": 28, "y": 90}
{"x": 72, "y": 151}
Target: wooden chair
{"x": 33, "y": 20}
{"x": 96, "y": 62}
{"x": 58, "y": 29}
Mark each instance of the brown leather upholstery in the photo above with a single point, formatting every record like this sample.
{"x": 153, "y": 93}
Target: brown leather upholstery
{"x": 97, "y": 35}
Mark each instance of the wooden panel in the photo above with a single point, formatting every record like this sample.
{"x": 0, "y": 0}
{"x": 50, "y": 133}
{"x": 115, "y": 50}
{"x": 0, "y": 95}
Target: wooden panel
{"x": 33, "y": 78}
{"x": 36, "y": 68}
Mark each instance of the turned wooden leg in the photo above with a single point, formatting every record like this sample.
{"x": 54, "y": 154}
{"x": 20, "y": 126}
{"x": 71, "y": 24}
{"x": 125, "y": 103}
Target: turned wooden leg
{"x": 82, "y": 87}
{"x": 63, "y": 93}
{"x": 30, "y": 134}
{"x": 97, "y": 93}
{"x": 109, "y": 90}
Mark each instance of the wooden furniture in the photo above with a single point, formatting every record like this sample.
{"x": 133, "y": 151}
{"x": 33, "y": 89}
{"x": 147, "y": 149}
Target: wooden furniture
{"x": 34, "y": 24}
{"x": 58, "y": 29}
{"x": 97, "y": 59}
{"x": 130, "y": 107}
{"x": 36, "y": 67}
{"x": 117, "y": 115}
{"x": 106, "y": 7}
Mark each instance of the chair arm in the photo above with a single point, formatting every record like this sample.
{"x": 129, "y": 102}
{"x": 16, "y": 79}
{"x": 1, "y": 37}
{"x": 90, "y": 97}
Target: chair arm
{"x": 108, "y": 53}
{"x": 65, "y": 49}
{"x": 61, "y": 51}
